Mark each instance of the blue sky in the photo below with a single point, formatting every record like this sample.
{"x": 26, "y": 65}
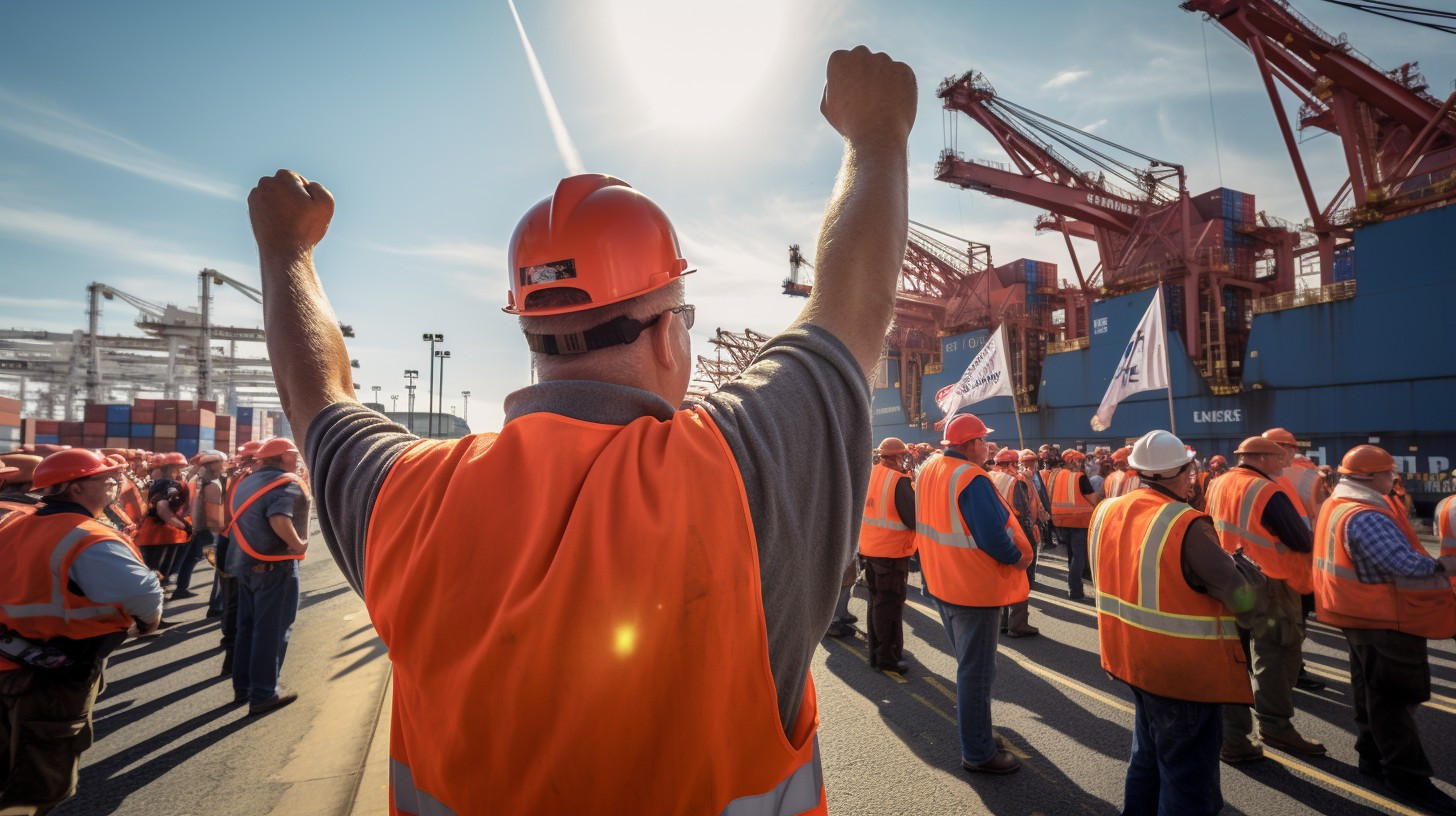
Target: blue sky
{"x": 130, "y": 134}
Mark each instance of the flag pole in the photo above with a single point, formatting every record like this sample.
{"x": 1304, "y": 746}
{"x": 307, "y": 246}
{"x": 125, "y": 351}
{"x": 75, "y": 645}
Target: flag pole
{"x": 1167, "y": 366}
{"x": 1172, "y": 423}
{"x": 1016, "y": 412}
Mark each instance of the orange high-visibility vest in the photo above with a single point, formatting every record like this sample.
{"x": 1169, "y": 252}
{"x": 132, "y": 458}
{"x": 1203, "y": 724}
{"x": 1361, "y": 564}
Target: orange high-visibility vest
{"x": 1424, "y": 607}
{"x": 1236, "y": 500}
{"x": 10, "y": 510}
{"x": 882, "y": 533}
{"x": 596, "y": 646}
{"x": 234, "y": 531}
{"x": 1005, "y": 485}
{"x": 1110, "y": 484}
{"x": 956, "y": 569}
{"x": 36, "y": 554}
{"x": 1308, "y": 484}
{"x": 1445, "y": 528}
{"x": 1291, "y": 492}
{"x": 1070, "y": 507}
{"x": 1154, "y": 631}
{"x": 131, "y": 499}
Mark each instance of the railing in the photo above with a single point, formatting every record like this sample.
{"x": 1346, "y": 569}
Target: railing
{"x": 1074, "y": 344}
{"x": 1341, "y": 290}
{"x": 934, "y": 368}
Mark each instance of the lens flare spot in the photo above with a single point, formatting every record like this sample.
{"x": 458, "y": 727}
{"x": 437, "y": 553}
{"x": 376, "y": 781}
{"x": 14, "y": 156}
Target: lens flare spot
{"x": 624, "y": 640}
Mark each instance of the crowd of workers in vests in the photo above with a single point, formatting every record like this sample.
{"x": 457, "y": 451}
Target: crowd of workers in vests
{"x": 1203, "y": 576}
{"x": 96, "y": 546}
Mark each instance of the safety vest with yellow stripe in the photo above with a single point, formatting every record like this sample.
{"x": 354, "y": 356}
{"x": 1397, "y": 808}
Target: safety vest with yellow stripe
{"x": 1155, "y": 632}
{"x": 1424, "y": 607}
{"x": 882, "y": 533}
{"x": 1291, "y": 492}
{"x": 600, "y": 646}
{"x": 1446, "y": 528}
{"x": 36, "y": 601}
{"x": 1236, "y": 500}
{"x": 1121, "y": 483}
{"x": 956, "y": 569}
{"x": 1070, "y": 506}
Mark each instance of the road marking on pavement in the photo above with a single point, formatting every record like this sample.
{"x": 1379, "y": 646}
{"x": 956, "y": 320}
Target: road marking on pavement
{"x": 1292, "y": 764}
{"x": 940, "y": 687}
{"x": 948, "y": 718}
{"x": 866, "y": 658}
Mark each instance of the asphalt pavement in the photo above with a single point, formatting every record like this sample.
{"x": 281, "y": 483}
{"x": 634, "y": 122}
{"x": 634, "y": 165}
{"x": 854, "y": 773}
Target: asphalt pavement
{"x": 170, "y": 742}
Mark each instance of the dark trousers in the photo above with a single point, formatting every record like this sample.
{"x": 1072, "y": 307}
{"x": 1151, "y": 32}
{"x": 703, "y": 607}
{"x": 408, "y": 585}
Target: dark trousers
{"x": 1174, "y": 765}
{"x": 267, "y": 605}
{"x": 45, "y": 724}
{"x": 886, "y": 579}
{"x": 188, "y": 556}
{"x": 160, "y": 558}
{"x": 1389, "y": 677}
{"x": 1076, "y": 541}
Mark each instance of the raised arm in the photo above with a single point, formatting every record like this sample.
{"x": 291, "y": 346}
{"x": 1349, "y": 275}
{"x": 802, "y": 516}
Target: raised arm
{"x": 870, "y": 99}
{"x": 310, "y": 364}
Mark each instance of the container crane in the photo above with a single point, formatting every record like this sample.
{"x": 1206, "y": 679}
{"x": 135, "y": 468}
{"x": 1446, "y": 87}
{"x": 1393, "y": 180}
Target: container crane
{"x": 1399, "y": 141}
{"x": 734, "y": 352}
{"x": 206, "y": 279}
{"x": 1147, "y": 228}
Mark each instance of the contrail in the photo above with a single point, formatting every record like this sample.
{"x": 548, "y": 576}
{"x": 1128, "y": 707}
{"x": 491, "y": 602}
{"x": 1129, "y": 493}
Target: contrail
{"x": 569, "y": 156}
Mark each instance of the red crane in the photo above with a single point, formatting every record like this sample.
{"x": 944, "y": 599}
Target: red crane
{"x": 1399, "y": 141}
{"x": 1146, "y": 227}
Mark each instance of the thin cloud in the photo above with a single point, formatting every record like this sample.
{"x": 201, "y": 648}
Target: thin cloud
{"x": 103, "y": 240}
{"x": 57, "y": 129}
{"x": 1064, "y": 79}
{"x": 1092, "y": 128}
{"x": 37, "y": 303}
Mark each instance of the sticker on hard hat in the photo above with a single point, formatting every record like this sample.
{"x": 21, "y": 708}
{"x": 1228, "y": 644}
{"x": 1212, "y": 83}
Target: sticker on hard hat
{"x": 548, "y": 273}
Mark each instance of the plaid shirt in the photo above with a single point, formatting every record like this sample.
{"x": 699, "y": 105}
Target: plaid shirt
{"x": 1380, "y": 551}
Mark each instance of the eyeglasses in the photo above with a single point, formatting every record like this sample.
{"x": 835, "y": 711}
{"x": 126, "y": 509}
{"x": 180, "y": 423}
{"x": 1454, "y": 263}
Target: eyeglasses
{"x": 687, "y": 311}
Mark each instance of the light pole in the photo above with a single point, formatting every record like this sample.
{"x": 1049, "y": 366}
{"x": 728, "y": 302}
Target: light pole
{"x": 376, "y": 389}
{"x": 410, "y": 376}
{"x": 466, "y": 395}
{"x": 432, "y": 338}
{"x": 394, "y": 403}
{"x": 442, "y": 356}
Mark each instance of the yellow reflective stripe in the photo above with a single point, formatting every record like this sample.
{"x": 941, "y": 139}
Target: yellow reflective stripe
{"x": 1329, "y": 567}
{"x": 1193, "y": 627}
{"x": 883, "y": 507}
{"x": 410, "y": 799}
{"x": 56, "y": 608}
{"x": 798, "y": 793}
{"x": 1094, "y": 533}
{"x": 1152, "y": 552}
{"x": 954, "y": 538}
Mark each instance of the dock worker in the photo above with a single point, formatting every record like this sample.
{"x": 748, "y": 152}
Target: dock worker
{"x": 16, "y": 494}
{"x": 1300, "y": 474}
{"x": 206, "y": 514}
{"x": 73, "y": 587}
{"x": 975, "y": 556}
{"x": 268, "y": 537}
{"x": 1444, "y": 524}
{"x": 1376, "y": 582}
{"x": 165, "y": 528}
{"x": 1031, "y": 467}
{"x": 1071, "y": 497}
{"x": 886, "y": 542}
{"x": 1016, "y": 490}
{"x": 115, "y": 513}
{"x": 686, "y": 533}
{"x": 1169, "y": 603}
{"x": 1253, "y": 514}
{"x": 1123, "y": 480}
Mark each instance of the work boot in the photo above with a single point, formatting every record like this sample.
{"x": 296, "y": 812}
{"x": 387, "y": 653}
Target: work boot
{"x": 1017, "y": 625}
{"x": 1002, "y": 762}
{"x": 1292, "y": 742}
{"x": 1238, "y": 754}
{"x": 839, "y": 630}
{"x": 1307, "y": 682}
{"x": 278, "y": 700}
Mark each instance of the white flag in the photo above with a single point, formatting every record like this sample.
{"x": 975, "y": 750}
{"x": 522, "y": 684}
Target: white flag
{"x": 987, "y": 376}
{"x": 1144, "y": 364}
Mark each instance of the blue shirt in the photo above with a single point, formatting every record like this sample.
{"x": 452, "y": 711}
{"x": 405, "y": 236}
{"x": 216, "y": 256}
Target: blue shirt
{"x": 286, "y": 500}
{"x": 1381, "y": 552}
{"x": 986, "y": 516}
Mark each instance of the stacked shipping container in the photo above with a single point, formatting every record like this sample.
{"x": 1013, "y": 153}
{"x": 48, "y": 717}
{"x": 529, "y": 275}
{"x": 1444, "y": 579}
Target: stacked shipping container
{"x": 150, "y": 424}
{"x": 1230, "y": 209}
{"x": 10, "y": 434}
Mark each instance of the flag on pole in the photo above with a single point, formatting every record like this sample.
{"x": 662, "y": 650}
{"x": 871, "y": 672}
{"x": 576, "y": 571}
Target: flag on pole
{"x": 1144, "y": 364}
{"x": 987, "y": 376}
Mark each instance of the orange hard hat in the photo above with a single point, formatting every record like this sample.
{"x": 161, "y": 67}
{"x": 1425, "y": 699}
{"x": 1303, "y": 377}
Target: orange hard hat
{"x": 1007, "y": 456}
{"x": 1217, "y": 459}
{"x": 24, "y": 463}
{"x": 596, "y": 235}
{"x": 174, "y": 458}
{"x": 1282, "y": 437}
{"x": 1028, "y": 454}
{"x": 1074, "y": 455}
{"x": 892, "y": 446}
{"x": 1365, "y": 459}
{"x": 70, "y": 465}
{"x": 962, "y": 428}
{"x": 116, "y": 459}
{"x": 277, "y": 446}
{"x": 1121, "y": 454}
{"x": 6, "y": 472}
{"x": 45, "y": 450}
{"x": 249, "y": 448}
{"x": 1259, "y": 445}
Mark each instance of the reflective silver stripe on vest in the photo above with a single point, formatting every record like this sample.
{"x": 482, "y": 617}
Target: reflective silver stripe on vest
{"x": 883, "y": 520}
{"x": 955, "y": 538}
{"x": 410, "y": 799}
{"x": 57, "y": 606}
{"x": 1184, "y": 626}
{"x": 1153, "y": 544}
{"x": 1093, "y": 534}
{"x": 1330, "y": 567}
{"x": 1447, "y": 509}
{"x": 798, "y": 793}
{"x": 1244, "y": 528}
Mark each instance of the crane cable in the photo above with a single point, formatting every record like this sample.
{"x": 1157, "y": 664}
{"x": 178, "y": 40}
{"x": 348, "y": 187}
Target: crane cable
{"x": 1212, "y": 112}
{"x": 1394, "y": 11}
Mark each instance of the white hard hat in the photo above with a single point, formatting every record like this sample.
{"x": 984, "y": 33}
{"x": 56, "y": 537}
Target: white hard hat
{"x": 1158, "y": 452}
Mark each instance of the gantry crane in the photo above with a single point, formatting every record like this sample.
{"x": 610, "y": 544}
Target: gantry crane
{"x": 1399, "y": 141}
{"x": 1145, "y": 225}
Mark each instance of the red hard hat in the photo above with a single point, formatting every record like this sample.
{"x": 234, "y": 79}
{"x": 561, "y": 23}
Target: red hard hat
{"x": 891, "y": 446}
{"x": 962, "y": 428}
{"x": 1281, "y": 436}
{"x": 70, "y": 465}
{"x": 1007, "y": 456}
{"x": 277, "y": 446}
{"x": 6, "y": 472}
{"x": 24, "y": 463}
{"x": 596, "y": 235}
{"x": 1121, "y": 454}
{"x": 173, "y": 458}
{"x": 116, "y": 459}
{"x": 1364, "y": 459}
{"x": 1217, "y": 459}
{"x": 249, "y": 448}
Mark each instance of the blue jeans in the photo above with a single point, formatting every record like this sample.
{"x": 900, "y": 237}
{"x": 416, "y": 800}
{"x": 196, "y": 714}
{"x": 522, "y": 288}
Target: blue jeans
{"x": 267, "y": 605}
{"x": 1076, "y": 540}
{"x": 191, "y": 552}
{"x": 972, "y": 631}
{"x": 1174, "y": 766}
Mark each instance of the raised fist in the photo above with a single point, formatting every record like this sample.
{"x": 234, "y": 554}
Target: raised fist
{"x": 289, "y": 212}
{"x": 869, "y": 98}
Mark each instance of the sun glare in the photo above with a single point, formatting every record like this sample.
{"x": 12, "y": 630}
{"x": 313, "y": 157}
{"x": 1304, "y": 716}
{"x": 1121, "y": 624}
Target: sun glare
{"x": 693, "y": 63}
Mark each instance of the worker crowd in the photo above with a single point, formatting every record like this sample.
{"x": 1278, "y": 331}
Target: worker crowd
{"x": 96, "y": 545}
{"x": 1202, "y": 576}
